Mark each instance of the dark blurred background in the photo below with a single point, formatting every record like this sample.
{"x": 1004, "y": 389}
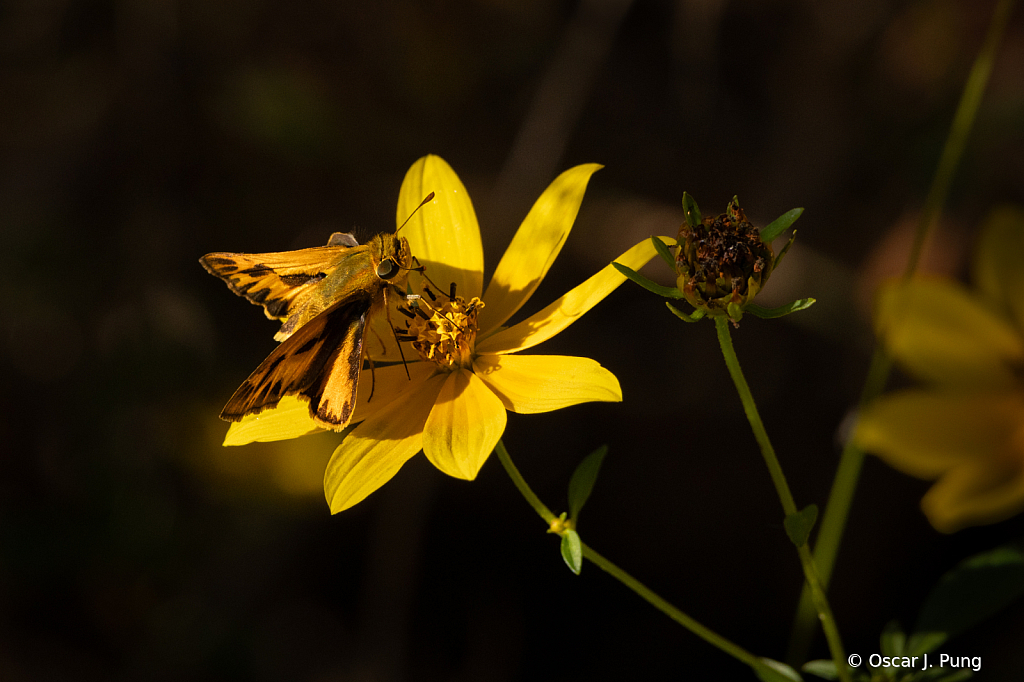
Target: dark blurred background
{"x": 137, "y": 135}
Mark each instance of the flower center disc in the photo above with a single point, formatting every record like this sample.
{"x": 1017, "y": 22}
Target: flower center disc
{"x": 444, "y": 332}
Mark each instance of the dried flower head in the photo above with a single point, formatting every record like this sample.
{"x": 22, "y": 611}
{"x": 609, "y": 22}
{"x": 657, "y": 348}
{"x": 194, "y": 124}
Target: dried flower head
{"x": 721, "y": 262}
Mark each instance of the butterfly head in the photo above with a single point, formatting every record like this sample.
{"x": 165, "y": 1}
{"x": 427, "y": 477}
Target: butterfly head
{"x": 395, "y": 257}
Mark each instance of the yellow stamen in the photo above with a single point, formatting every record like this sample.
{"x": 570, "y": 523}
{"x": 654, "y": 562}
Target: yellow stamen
{"x": 446, "y": 333}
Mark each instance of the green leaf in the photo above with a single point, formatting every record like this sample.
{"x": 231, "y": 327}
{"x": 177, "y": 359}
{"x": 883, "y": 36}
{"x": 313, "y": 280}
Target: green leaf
{"x": 572, "y": 551}
{"x": 667, "y": 292}
{"x": 822, "y": 668}
{"x": 774, "y": 671}
{"x": 785, "y": 249}
{"x": 582, "y": 481}
{"x": 782, "y": 310}
{"x": 780, "y": 225}
{"x": 697, "y": 314}
{"x": 893, "y": 641}
{"x": 693, "y": 216}
{"x": 662, "y": 249}
{"x": 798, "y": 526}
{"x": 976, "y": 589}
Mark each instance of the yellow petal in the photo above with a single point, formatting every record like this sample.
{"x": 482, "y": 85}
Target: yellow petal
{"x": 925, "y": 434}
{"x": 374, "y": 452}
{"x": 976, "y": 493}
{"x": 464, "y": 426}
{"x": 568, "y": 308}
{"x": 998, "y": 270}
{"x": 387, "y": 384}
{"x": 535, "y": 246}
{"x": 290, "y": 419}
{"x": 943, "y": 334}
{"x": 444, "y": 235}
{"x": 528, "y": 384}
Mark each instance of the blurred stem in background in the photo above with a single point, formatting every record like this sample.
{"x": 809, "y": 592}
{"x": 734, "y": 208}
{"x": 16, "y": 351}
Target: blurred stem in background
{"x": 850, "y": 463}
{"x": 560, "y": 99}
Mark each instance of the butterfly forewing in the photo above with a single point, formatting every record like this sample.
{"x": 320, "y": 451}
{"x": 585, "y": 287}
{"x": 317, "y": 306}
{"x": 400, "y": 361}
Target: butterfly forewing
{"x": 280, "y": 282}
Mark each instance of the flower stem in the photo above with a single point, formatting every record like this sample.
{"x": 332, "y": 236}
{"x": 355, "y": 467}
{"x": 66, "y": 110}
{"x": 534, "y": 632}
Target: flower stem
{"x": 626, "y": 579}
{"x": 819, "y": 601}
{"x": 750, "y": 408}
{"x": 837, "y": 509}
{"x": 520, "y": 482}
{"x": 672, "y": 612}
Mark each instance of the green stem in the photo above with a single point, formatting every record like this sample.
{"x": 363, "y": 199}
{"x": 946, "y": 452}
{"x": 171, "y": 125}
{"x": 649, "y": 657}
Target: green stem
{"x": 750, "y": 408}
{"x": 520, "y": 483}
{"x": 819, "y": 600}
{"x": 626, "y": 579}
{"x": 837, "y": 509}
{"x": 672, "y": 612}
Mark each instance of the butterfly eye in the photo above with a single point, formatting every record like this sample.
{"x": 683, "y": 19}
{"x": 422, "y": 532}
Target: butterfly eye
{"x": 387, "y": 269}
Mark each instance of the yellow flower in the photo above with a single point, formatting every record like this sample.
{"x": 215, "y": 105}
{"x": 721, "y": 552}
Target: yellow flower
{"x": 462, "y": 371}
{"x": 967, "y": 430}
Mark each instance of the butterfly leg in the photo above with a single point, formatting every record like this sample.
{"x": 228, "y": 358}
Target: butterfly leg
{"x": 398, "y": 342}
{"x": 373, "y": 375}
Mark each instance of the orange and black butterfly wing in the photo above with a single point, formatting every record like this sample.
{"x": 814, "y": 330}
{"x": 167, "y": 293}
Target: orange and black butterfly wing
{"x": 280, "y": 282}
{"x": 319, "y": 363}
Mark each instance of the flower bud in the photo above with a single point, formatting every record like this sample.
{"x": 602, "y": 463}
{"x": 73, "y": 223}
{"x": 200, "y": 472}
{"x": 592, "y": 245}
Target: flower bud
{"x": 721, "y": 262}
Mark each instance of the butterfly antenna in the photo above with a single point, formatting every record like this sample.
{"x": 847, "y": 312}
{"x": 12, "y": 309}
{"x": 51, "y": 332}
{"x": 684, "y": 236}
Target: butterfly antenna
{"x": 426, "y": 200}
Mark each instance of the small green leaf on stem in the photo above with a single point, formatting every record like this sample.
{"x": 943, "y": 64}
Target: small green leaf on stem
{"x": 780, "y": 225}
{"x": 667, "y": 292}
{"x": 799, "y": 525}
{"x": 774, "y": 671}
{"x": 582, "y": 482}
{"x": 782, "y": 310}
{"x": 572, "y": 551}
{"x": 662, "y": 249}
{"x": 697, "y": 314}
{"x": 821, "y": 668}
{"x": 785, "y": 249}
{"x": 693, "y": 216}
{"x": 735, "y": 312}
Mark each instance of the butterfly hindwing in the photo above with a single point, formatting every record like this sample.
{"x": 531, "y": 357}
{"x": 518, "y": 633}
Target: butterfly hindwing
{"x": 319, "y": 363}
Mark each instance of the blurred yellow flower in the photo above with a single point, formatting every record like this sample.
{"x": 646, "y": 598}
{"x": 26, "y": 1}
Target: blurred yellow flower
{"x": 967, "y": 429}
{"x": 462, "y": 374}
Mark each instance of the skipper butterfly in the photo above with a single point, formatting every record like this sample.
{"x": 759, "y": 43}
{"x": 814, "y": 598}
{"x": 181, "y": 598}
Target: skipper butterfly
{"x": 326, "y": 297}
